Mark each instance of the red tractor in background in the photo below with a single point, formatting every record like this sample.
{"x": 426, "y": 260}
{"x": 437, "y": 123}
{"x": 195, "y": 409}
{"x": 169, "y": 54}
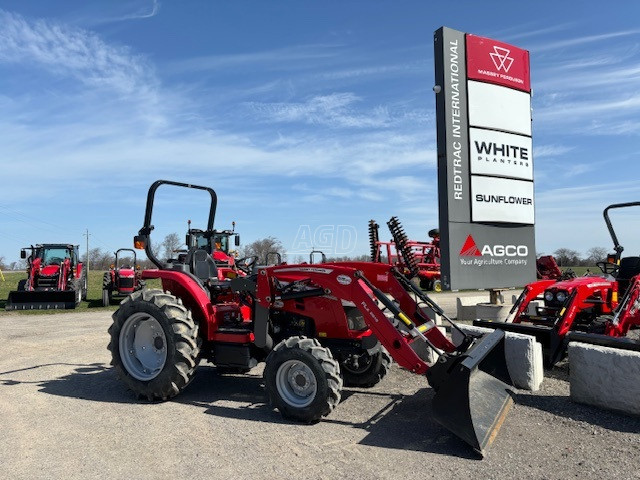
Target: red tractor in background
{"x": 55, "y": 279}
{"x": 606, "y": 304}
{"x": 217, "y": 243}
{"x": 547, "y": 269}
{"x": 419, "y": 260}
{"x": 123, "y": 278}
{"x": 316, "y": 327}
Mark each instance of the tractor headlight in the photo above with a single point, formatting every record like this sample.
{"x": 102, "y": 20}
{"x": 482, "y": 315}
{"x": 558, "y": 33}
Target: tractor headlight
{"x": 561, "y": 296}
{"x": 548, "y": 296}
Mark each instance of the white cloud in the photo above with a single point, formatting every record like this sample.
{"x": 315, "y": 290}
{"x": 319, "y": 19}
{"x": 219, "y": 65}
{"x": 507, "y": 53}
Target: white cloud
{"x": 70, "y": 51}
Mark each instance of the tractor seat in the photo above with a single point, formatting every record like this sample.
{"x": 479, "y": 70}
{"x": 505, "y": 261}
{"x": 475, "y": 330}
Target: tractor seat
{"x": 203, "y": 266}
{"x": 629, "y": 268}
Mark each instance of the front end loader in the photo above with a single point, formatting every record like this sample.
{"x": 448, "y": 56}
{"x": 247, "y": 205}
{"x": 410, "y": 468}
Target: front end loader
{"x": 55, "y": 279}
{"x": 317, "y": 328}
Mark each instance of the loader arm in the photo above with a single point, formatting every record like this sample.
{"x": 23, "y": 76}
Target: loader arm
{"x": 627, "y": 313}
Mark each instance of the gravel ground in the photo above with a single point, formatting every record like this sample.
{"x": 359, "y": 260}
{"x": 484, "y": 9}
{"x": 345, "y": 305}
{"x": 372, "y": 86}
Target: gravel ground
{"x": 65, "y": 415}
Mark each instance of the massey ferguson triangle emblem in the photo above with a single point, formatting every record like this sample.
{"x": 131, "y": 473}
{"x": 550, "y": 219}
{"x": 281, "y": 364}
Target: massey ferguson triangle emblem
{"x": 470, "y": 249}
{"x": 501, "y": 58}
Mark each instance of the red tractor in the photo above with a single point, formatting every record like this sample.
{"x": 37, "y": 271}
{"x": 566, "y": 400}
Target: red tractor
{"x": 605, "y": 304}
{"x": 123, "y": 278}
{"x": 547, "y": 269}
{"x": 316, "y": 327}
{"x": 217, "y": 243}
{"x": 55, "y": 279}
{"x": 419, "y": 260}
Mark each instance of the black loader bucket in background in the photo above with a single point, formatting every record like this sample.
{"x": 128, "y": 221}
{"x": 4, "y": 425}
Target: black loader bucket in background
{"x": 472, "y": 391}
{"x": 552, "y": 345}
{"x": 41, "y": 300}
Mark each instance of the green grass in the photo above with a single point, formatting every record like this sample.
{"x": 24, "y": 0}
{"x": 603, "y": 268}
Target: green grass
{"x": 94, "y": 292}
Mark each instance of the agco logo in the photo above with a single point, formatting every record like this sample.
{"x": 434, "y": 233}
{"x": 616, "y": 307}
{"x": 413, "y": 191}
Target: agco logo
{"x": 470, "y": 249}
{"x": 501, "y": 58}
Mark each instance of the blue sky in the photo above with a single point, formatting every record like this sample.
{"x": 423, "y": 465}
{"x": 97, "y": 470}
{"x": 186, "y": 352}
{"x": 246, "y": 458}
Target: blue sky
{"x": 297, "y": 113}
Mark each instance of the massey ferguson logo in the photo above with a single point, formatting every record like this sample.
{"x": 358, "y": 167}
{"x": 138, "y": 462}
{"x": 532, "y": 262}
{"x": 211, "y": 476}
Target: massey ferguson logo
{"x": 470, "y": 249}
{"x": 501, "y": 58}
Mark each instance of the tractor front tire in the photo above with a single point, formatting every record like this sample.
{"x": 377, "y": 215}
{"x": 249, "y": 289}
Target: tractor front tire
{"x": 106, "y": 289}
{"x": 85, "y": 286}
{"x": 77, "y": 291}
{"x": 22, "y": 285}
{"x": 369, "y": 370}
{"x": 302, "y": 379}
{"x": 106, "y": 300}
{"x": 154, "y": 344}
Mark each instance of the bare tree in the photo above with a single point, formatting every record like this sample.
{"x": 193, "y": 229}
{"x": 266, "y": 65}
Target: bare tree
{"x": 596, "y": 254}
{"x": 261, "y": 247}
{"x": 567, "y": 257}
{"x": 170, "y": 244}
{"x": 3, "y": 265}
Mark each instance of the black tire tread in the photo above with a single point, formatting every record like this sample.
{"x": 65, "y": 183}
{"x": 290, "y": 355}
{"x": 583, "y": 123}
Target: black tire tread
{"x": 178, "y": 371}
{"x": 321, "y": 406}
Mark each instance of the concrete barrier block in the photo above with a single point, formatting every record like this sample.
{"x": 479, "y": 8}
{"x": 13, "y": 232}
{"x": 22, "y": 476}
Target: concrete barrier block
{"x": 522, "y": 353}
{"x": 489, "y": 311}
{"x": 605, "y": 377}
{"x": 466, "y": 307}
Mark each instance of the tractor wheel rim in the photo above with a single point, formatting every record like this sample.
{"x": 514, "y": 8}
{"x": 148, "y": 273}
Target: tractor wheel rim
{"x": 363, "y": 363}
{"x": 143, "y": 346}
{"x": 296, "y": 383}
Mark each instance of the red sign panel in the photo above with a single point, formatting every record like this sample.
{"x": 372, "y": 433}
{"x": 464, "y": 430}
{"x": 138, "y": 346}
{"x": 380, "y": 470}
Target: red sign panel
{"x": 497, "y": 62}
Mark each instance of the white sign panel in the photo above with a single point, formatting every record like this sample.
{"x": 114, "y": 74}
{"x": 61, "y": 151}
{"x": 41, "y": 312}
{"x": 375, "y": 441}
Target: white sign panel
{"x": 501, "y": 200}
{"x": 500, "y": 154}
{"x": 501, "y": 108}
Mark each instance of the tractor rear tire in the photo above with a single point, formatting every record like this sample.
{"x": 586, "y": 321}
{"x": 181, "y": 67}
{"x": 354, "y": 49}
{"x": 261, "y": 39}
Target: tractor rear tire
{"x": 302, "y": 379}
{"x": 154, "y": 344}
{"x": 370, "y": 371}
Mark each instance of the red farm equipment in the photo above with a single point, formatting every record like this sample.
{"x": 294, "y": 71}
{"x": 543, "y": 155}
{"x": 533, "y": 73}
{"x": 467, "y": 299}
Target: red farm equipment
{"x": 587, "y": 307}
{"x": 548, "y": 269}
{"x": 55, "y": 279}
{"x": 419, "y": 260}
{"x": 316, "y": 327}
{"x": 217, "y": 243}
{"x": 123, "y": 278}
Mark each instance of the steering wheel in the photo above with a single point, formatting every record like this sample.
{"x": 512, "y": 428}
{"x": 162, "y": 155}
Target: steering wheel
{"x": 246, "y": 264}
{"x": 608, "y": 268}
{"x": 55, "y": 261}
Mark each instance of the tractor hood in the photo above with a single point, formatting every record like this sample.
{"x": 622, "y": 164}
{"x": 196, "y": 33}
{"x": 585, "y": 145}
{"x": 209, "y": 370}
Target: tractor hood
{"x": 127, "y": 272}
{"x": 579, "y": 282}
{"x": 50, "y": 270}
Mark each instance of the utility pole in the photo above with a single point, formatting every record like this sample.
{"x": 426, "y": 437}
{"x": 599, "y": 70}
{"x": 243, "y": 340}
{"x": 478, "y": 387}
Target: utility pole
{"x": 87, "y": 235}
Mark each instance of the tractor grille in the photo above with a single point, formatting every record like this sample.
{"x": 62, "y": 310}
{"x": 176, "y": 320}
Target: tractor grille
{"x": 126, "y": 282}
{"x": 48, "y": 282}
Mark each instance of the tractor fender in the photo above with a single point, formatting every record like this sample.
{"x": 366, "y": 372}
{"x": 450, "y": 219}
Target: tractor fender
{"x": 190, "y": 291}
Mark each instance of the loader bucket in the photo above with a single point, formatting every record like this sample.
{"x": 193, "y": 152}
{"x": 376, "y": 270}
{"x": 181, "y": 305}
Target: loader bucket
{"x": 40, "y": 300}
{"x": 472, "y": 391}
